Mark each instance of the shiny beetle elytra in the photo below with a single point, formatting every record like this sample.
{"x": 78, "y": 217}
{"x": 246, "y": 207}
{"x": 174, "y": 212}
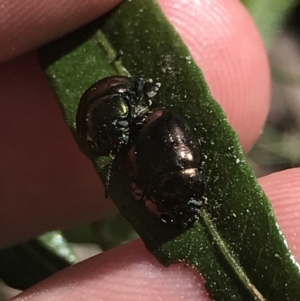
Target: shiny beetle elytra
{"x": 155, "y": 149}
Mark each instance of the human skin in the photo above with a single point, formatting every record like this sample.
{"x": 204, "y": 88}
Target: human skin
{"x": 46, "y": 183}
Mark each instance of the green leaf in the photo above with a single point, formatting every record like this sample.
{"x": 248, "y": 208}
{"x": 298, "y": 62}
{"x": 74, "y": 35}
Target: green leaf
{"x": 56, "y": 243}
{"x": 26, "y": 264}
{"x": 107, "y": 233}
{"x": 113, "y": 232}
{"x": 236, "y": 245}
{"x": 269, "y": 21}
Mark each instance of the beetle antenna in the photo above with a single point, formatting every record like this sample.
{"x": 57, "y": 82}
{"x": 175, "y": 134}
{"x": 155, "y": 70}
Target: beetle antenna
{"x": 107, "y": 179}
{"x": 109, "y": 169}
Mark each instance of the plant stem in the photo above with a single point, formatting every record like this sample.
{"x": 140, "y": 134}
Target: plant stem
{"x": 229, "y": 257}
{"x": 112, "y": 55}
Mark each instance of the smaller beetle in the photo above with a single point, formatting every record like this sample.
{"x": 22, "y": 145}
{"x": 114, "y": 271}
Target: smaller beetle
{"x": 107, "y": 110}
{"x": 156, "y": 150}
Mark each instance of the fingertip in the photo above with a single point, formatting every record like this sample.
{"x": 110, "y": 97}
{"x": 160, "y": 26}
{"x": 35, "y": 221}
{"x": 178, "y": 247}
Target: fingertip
{"x": 28, "y": 24}
{"x": 282, "y": 188}
{"x": 227, "y": 47}
{"x": 46, "y": 181}
{"x": 128, "y": 272}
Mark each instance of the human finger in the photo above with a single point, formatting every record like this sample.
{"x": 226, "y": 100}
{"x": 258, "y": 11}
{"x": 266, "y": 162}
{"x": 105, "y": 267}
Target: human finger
{"x": 28, "y": 24}
{"x": 224, "y": 41}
